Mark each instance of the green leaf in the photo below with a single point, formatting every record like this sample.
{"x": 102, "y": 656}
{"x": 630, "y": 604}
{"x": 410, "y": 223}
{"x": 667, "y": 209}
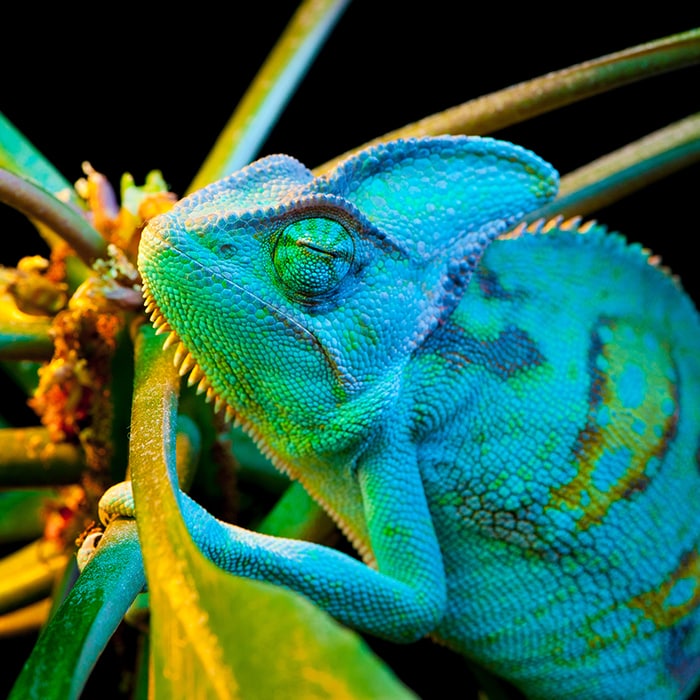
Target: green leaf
{"x": 215, "y": 635}
{"x": 18, "y": 155}
{"x": 21, "y": 513}
{"x": 297, "y": 515}
{"x": 71, "y": 643}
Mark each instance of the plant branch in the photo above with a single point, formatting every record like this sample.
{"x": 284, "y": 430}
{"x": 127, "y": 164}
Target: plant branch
{"x": 28, "y": 457}
{"x": 36, "y": 203}
{"x": 271, "y": 89}
{"x": 18, "y": 155}
{"x": 22, "y": 336}
{"x": 528, "y": 99}
{"x": 617, "y": 174}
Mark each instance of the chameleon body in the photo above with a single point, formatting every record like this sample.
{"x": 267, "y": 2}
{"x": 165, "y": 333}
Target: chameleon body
{"x": 504, "y": 421}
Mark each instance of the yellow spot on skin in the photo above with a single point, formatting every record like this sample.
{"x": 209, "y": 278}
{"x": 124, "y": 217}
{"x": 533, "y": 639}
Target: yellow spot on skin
{"x": 654, "y": 603}
{"x": 654, "y": 606}
{"x": 633, "y": 428}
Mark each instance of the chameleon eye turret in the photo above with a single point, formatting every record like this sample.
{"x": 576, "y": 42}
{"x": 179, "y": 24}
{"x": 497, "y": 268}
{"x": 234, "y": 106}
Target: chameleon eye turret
{"x": 312, "y": 256}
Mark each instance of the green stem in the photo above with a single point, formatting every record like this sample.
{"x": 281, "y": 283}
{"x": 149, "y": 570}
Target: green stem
{"x": 154, "y": 407}
{"x": 71, "y": 643}
{"x": 178, "y": 606}
{"x": 271, "y": 89}
{"x": 28, "y": 457}
{"x": 627, "y": 169}
{"x": 28, "y": 574}
{"x": 548, "y": 92}
{"x": 38, "y": 204}
{"x": 24, "y": 339}
{"x": 21, "y": 513}
{"x": 19, "y": 155}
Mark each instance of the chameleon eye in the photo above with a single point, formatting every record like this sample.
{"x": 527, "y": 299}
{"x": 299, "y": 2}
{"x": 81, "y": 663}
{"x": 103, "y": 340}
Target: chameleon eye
{"x": 312, "y": 256}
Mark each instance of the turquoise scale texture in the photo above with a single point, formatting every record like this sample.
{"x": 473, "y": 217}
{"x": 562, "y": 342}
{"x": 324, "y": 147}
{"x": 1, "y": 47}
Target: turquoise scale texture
{"x": 543, "y": 551}
{"x": 505, "y": 426}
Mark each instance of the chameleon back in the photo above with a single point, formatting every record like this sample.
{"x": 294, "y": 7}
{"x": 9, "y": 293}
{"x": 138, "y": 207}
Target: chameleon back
{"x": 561, "y": 467}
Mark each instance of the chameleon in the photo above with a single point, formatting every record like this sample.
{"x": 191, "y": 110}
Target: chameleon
{"x": 502, "y": 417}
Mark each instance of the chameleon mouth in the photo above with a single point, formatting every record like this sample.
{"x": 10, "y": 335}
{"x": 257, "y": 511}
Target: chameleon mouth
{"x": 184, "y": 361}
{"x": 186, "y": 364}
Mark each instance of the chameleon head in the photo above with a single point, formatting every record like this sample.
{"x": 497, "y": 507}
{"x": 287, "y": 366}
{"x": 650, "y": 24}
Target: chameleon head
{"x": 300, "y": 298}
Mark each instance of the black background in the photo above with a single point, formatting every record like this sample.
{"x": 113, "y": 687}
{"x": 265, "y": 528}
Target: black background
{"x": 137, "y": 88}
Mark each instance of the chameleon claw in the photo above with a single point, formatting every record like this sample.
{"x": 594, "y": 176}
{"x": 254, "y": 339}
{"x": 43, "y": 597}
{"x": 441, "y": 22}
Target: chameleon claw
{"x": 116, "y": 501}
{"x": 88, "y": 548}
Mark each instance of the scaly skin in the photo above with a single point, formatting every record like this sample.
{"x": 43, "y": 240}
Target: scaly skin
{"x": 507, "y": 430}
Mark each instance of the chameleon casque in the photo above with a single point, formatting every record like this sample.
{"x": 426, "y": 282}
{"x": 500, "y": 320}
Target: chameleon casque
{"x": 504, "y": 420}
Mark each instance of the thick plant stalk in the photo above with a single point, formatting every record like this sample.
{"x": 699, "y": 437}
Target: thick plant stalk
{"x": 269, "y": 92}
{"x": 528, "y": 99}
{"x": 61, "y": 662}
{"x": 617, "y": 174}
{"x": 30, "y": 458}
{"x": 19, "y": 156}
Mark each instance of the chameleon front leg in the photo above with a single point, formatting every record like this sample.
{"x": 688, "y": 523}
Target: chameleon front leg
{"x": 402, "y": 600}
